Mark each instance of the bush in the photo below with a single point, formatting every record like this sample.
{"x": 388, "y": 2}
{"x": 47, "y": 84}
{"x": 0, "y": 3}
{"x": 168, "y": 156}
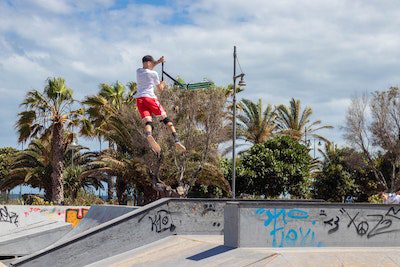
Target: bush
{"x": 278, "y": 166}
{"x": 84, "y": 199}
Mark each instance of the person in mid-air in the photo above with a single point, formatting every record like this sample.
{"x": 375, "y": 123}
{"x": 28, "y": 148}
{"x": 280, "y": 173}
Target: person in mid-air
{"x": 148, "y": 104}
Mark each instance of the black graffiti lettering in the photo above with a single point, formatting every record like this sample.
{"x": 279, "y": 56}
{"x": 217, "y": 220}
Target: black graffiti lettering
{"x": 352, "y": 220}
{"x": 162, "y": 221}
{"x": 393, "y": 213}
{"x": 380, "y": 227}
{"x": 385, "y": 222}
{"x": 362, "y": 228}
{"x": 336, "y": 222}
{"x": 332, "y": 222}
{"x": 208, "y": 208}
{"x": 7, "y": 216}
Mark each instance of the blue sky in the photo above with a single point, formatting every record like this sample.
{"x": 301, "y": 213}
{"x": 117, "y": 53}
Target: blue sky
{"x": 322, "y": 52}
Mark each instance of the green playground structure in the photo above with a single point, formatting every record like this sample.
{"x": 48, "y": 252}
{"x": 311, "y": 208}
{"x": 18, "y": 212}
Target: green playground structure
{"x": 188, "y": 86}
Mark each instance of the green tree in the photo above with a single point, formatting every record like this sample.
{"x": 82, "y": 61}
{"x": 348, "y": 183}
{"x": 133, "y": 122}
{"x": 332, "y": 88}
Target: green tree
{"x": 372, "y": 127}
{"x": 278, "y": 166}
{"x": 254, "y": 124}
{"x": 77, "y": 162}
{"x": 7, "y": 155}
{"x": 108, "y": 102}
{"x": 199, "y": 117}
{"x": 335, "y": 180}
{"x": 48, "y": 113}
{"x": 294, "y": 122}
{"x": 32, "y": 166}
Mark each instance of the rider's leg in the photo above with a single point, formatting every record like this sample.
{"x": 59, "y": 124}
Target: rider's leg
{"x": 172, "y": 129}
{"x": 149, "y": 125}
{"x": 149, "y": 130}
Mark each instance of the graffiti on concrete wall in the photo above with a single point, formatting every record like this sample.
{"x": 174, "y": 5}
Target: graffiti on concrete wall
{"x": 284, "y": 235}
{"x": 13, "y": 216}
{"x": 162, "y": 221}
{"x": 75, "y": 215}
{"x": 8, "y": 216}
{"x": 296, "y": 227}
{"x": 208, "y": 208}
{"x": 368, "y": 224}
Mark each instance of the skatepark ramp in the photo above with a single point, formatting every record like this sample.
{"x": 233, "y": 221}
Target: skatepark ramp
{"x": 25, "y": 229}
{"x": 97, "y": 215}
{"x": 250, "y": 224}
{"x": 139, "y": 227}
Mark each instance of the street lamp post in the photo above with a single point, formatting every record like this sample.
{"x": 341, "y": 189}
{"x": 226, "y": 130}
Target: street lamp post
{"x": 73, "y": 145}
{"x": 241, "y": 83}
{"x": 308, "y": 142}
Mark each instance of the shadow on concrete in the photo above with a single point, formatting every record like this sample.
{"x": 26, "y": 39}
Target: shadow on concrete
{"x": 209, "y": 253}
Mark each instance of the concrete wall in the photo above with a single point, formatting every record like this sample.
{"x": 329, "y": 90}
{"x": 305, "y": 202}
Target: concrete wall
{"x": 311, "y": 225}
{"x": 13, "y": 217}
{"x": 134, "y": 229}
{"x": 145, "y": 225}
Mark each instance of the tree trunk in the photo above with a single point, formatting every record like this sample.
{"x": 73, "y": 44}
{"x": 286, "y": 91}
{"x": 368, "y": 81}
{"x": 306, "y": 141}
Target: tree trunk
{"x": 110, "y": 188}
{"x": 57, "y": 164}
{"x": 393, "y": 182}
{"x": 121, "y": 191}
{"x": 48, "y": 193}
{"x": 75, "y": 194}
{"x": 110, "y": 181}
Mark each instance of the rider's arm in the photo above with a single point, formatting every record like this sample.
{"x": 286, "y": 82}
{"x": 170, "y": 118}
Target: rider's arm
{"x": 160, "y": 85}
{"x": 160, "y": 60}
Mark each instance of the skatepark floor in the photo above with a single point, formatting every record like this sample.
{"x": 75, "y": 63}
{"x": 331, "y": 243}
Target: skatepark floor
{"x": 208, "y": 250}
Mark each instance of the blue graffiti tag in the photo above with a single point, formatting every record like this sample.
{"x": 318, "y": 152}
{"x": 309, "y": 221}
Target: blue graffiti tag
{"x": 291, "y": 237}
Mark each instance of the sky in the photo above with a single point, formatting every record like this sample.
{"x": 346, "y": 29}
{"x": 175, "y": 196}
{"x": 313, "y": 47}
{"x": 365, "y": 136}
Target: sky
{"x": 321, "y": 52}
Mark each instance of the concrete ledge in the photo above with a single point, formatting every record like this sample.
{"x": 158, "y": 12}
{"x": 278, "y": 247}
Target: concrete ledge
{"x": 311, "y": 225}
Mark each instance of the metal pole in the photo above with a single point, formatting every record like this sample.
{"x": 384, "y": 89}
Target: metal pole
{"x": 305, "y": 136}
{"x": 314, "y": 148}
{"x": 162, "y": 71}
{"x": 234, "y": 127}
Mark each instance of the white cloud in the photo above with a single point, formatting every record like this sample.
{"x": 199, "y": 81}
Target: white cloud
{"x": 56, "y": 6}
{"x": 318, "y": 51}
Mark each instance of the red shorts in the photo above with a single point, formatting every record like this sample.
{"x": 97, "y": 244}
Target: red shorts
{"x": 148, "y": 106}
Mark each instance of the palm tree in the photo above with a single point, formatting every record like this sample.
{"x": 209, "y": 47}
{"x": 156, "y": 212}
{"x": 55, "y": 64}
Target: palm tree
{"x": 292, "y": 121}
{"x": 107, "y": 102}
{"x": 32, "y": 166}
{"x": 47, "y": 113}
{"x": 254, "y": 125}
{"x": 77, "y": 163}
{"x": 329, "y": 153}
{"x": 132, "y": 170}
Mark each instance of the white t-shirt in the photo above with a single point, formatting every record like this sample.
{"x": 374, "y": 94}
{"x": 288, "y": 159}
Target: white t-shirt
{"x": 393, "y": 198}
{"x": 147, "y": 80}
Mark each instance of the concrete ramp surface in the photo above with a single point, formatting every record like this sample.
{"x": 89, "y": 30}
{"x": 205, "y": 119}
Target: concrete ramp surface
{"x": 188, "y": 250}
{"x": 142, "y": 226}
{"x": 97, "y": 215}
{"x": 25, "y": 229}
{"x": 33, "y": 237}
{"x": 13, "y": 217}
